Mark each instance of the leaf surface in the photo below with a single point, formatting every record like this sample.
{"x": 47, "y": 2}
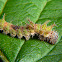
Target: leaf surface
{"x": 2, "y": 4}
{"x": 38, "y": 11}
{"x": 55, "y": 55}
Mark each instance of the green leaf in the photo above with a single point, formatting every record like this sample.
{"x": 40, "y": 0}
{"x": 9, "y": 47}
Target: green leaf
{"x": 55, "y": 55}
{"x": 10, "y": 46}
{"x": 18, "y": 11}
{"x": 38, "y": 11}
{"x": 2, "y": 4}
{"x": 2, "y": 57}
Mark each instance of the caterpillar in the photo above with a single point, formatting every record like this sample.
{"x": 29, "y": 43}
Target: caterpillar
{"x": 44, "y": 32}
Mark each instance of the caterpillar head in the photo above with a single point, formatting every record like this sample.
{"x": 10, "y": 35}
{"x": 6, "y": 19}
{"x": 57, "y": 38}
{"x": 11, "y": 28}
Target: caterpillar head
{"x": 53, "y": 36}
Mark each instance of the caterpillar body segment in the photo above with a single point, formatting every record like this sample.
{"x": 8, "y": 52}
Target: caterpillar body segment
{"x": 19, "y": 33}
{"x": 44, "y": 32}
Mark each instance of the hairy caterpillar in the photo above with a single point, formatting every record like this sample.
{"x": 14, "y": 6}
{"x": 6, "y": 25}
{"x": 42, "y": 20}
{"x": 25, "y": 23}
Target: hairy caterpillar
{"x": 43, "y": 31}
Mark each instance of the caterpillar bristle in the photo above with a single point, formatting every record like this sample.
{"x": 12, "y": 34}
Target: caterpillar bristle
{"x": 43, "y": 31}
